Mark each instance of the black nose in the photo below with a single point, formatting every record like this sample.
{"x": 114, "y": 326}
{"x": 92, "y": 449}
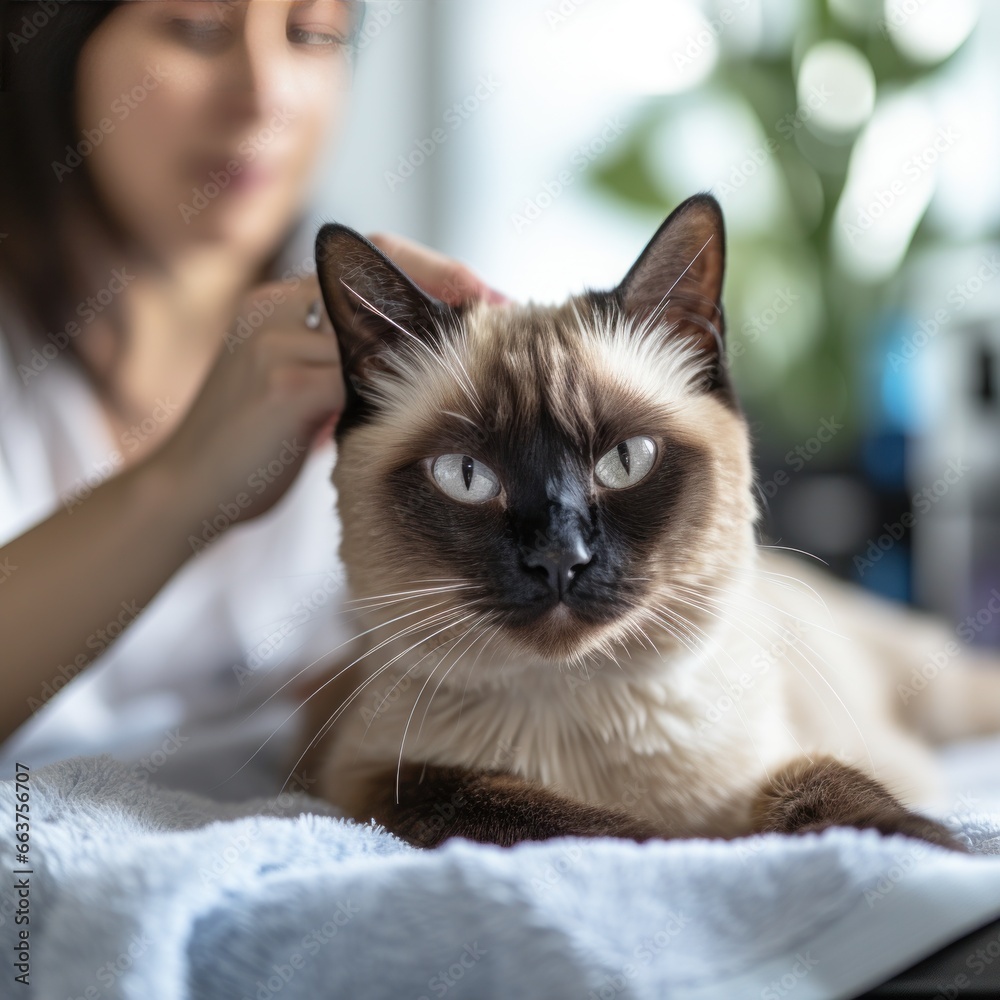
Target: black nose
{"x": 561, "y": 561}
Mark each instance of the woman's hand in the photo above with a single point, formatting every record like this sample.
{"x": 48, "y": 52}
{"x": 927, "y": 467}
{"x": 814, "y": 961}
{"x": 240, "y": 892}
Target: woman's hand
{"x": 440, "y": 276}
{"x": 276, "y": 388}
{"x": 274, "y": 383}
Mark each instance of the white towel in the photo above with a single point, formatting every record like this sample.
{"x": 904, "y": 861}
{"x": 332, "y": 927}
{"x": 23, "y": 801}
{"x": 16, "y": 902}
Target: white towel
{"x": 139, "y": 892}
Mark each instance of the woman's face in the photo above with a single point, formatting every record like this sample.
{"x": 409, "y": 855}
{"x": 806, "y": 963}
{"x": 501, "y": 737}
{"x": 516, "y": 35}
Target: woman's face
{"x": 207, "y": 117}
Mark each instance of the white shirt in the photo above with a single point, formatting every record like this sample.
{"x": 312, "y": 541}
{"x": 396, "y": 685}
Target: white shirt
{"x": 179, "y": 693}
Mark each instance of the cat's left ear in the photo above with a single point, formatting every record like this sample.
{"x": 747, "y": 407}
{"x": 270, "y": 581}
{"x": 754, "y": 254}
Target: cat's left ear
{"x": 373, "y": 306}
{"x": 677, "y": 279}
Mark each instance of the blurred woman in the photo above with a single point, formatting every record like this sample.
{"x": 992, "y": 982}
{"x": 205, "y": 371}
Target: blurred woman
{"x": 168, "y": 380}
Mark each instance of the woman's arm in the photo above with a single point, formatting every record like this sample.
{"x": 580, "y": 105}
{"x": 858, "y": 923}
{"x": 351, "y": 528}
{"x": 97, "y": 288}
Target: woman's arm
{"x": 78, "y": 578}
{"x": 75, "y": 580}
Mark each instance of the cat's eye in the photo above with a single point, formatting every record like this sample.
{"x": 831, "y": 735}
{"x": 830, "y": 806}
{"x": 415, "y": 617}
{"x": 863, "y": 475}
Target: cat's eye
{"x": 626, "y": 463}
{"x": 465, "y": 479}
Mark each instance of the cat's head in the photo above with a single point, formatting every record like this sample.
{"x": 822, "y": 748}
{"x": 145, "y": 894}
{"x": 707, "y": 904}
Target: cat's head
{"x": 564, "y": 476}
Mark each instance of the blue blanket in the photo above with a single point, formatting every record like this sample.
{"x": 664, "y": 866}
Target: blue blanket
{"x": 126, "y": 890}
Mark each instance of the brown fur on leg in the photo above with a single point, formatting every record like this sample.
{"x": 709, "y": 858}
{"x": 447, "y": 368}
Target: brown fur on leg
{"x": 809, "y": 796}
{"x": 436, "y": 803}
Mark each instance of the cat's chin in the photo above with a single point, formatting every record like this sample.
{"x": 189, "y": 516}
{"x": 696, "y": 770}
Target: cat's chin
{"x": 560, "y": 633}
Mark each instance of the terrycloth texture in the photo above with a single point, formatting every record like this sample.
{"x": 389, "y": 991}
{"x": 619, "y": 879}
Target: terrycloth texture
{"x": 144, "y": 893}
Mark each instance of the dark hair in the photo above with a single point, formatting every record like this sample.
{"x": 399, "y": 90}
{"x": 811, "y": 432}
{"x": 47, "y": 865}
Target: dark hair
{"x": 40, "y": 212}
{"x": 42, "y": 40}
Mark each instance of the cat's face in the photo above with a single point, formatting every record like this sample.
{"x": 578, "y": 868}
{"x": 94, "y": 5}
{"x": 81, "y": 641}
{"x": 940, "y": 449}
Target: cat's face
{"x": 561, "y": 476}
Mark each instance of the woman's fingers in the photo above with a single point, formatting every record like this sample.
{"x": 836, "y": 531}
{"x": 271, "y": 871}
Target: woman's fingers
{"x": 278, "y": 379}
{"x": 308, "y": 336}
{"x": 293, "y": 310}
{"x": 438, "y": 275}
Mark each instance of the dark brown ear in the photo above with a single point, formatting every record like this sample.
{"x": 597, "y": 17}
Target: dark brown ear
{"x": 678, "y": 277}
{"x": 374, "y": 308}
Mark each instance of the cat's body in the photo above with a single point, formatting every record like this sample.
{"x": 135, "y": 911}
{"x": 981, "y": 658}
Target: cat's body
{"x": 682, "y": 743}
{"x": 549, "y": 643}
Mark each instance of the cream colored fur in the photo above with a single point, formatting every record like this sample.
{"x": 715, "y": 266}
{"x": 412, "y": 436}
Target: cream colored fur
{"x": 678, "y": 715}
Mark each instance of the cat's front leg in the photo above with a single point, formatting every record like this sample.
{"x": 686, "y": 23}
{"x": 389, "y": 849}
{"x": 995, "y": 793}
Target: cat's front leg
{"x": 809, "y": 796}
{"x": 436, "y": 803}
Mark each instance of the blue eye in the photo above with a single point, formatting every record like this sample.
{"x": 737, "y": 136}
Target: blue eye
{"x": 627, "y": 463}
{"x": 463, "y": 478}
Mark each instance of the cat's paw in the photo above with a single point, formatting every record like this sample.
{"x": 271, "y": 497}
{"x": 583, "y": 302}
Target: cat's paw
{"x": 809, "y": 796}
{"x": 903, "y": 822}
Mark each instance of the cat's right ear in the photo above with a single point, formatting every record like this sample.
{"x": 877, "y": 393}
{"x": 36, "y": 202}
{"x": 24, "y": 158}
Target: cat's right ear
{"x": 373, "y": 306}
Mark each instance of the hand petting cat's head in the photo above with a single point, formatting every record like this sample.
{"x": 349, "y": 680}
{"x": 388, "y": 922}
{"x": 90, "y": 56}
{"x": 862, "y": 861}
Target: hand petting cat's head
{"x": 563, "y": 477}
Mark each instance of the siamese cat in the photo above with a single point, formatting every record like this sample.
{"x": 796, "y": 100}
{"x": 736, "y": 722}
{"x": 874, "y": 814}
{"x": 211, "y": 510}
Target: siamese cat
{"x": 565, "y": 623}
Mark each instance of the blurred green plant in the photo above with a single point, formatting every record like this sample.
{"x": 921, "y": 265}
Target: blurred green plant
{"x": 800, "y": 325}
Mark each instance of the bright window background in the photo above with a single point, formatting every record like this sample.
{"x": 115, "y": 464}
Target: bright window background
{"x": 543, "y": 141}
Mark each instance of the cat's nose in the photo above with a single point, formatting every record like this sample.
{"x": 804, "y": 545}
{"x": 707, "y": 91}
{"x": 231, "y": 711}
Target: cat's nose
{"x": 561, "y": 561}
